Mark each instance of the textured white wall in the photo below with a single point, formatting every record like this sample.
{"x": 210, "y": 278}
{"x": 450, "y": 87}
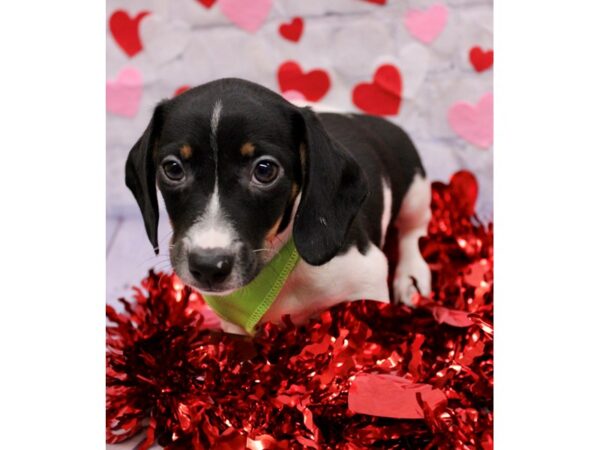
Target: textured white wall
{"x": 186, "y": 43}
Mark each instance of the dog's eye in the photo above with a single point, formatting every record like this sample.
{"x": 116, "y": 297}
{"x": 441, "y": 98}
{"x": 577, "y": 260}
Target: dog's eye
{"x": 265, "y": 171}
{"x": 173, "y": 170}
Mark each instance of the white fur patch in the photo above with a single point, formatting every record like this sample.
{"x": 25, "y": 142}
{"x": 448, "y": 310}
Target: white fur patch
{"x": 351, "y": 276}
{"x": 212, "y": 230}
{"x": 412, "y": 223}
{"x": 386, "y": 216}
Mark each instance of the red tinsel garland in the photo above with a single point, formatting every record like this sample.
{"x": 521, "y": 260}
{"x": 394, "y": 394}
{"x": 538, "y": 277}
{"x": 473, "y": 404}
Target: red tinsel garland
{"x": 364, "y": 375}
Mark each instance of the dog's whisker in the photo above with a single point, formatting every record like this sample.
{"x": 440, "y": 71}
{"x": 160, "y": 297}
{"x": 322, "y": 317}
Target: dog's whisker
{"x": 162, "y": 260}
{"x": 165, "y": 237}
{"x": 157, "y": 258}
{"x": 154, "y": 259}
{"x": 163, "y": 266}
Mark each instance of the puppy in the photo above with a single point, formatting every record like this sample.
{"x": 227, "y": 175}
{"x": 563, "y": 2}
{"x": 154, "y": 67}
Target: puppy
{"x": 242, "y": 172}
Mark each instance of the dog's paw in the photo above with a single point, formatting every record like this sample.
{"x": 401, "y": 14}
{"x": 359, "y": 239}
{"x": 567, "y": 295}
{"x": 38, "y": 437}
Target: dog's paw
{"x": 407, "y": 274}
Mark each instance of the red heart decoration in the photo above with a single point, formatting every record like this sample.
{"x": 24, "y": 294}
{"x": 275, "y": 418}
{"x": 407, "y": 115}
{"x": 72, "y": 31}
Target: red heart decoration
{"x": 293, "y": 30}
{"x": 126, "y": 31}
{"x": 383, "y": 96}
{"x": 465, "y": 188}
{"x": 313, "y": 85}
{"x": 481, "y": 60}
{"x": 180, "y": 90}
{"x": 377, "y": 2}
{"x": 207, "y": 3}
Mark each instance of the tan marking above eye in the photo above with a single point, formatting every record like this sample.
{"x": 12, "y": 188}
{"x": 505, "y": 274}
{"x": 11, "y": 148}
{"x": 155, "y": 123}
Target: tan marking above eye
{"x": 247, "y": 149}
{"x": 185, "y": 151}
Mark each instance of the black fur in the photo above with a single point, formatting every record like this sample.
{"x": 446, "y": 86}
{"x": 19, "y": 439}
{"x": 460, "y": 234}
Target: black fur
{"x": 140, "y": 177}
{"x": 334, "y": 189}
{"x": 382, "y": 150}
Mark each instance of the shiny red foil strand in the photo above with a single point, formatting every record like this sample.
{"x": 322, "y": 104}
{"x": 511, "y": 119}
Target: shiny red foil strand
{"x": 171, "y": 375}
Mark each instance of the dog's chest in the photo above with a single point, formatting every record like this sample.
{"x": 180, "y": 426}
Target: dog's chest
{"x": 351, "y": 276}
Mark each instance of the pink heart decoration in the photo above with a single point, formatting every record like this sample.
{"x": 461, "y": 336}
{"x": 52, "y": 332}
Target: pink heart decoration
{"x": 248, "y": 15}
{"x": 474, "y": 123}
{"x": 124, "y": 93}
{"x": 426, "y": 25}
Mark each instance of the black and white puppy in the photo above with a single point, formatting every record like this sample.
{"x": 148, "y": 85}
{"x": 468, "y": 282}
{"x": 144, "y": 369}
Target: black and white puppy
{"x": 242, "y": 170}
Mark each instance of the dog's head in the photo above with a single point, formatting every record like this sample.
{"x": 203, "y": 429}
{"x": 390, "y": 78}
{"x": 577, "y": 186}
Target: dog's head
{"x": 239, "y": 168}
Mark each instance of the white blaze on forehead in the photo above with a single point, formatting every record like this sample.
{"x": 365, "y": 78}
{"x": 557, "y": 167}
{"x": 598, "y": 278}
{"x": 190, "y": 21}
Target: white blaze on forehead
{"x": 212, "y": 230}
{"x": 214, "y": 128}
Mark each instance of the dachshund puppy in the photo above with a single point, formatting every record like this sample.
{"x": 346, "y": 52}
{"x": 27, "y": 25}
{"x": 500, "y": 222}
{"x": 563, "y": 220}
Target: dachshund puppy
{"x": 243, "y": 172}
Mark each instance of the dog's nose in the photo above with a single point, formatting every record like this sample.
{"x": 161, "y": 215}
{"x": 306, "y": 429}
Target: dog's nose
{"x": 210, "y": 266}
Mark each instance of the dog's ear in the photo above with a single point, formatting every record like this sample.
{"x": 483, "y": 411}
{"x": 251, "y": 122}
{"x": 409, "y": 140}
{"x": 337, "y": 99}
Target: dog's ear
{"x": 140, "y": 177}
{"x": 334, "y": 188}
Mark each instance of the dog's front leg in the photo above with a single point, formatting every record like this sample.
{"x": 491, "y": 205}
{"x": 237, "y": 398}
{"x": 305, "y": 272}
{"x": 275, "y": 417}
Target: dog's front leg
{"x": 412, "y": 223}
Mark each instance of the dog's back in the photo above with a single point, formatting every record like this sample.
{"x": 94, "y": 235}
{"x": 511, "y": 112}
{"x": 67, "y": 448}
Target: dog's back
{"x": 387, "y": 156}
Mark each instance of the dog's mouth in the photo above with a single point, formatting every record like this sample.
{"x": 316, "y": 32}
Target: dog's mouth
{"x": 222, "y": 289}
{"x": 214, "y": 291}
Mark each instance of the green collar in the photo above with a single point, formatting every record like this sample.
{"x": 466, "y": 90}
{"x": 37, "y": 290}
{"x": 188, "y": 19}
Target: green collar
{"x": 249, "y": 304}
